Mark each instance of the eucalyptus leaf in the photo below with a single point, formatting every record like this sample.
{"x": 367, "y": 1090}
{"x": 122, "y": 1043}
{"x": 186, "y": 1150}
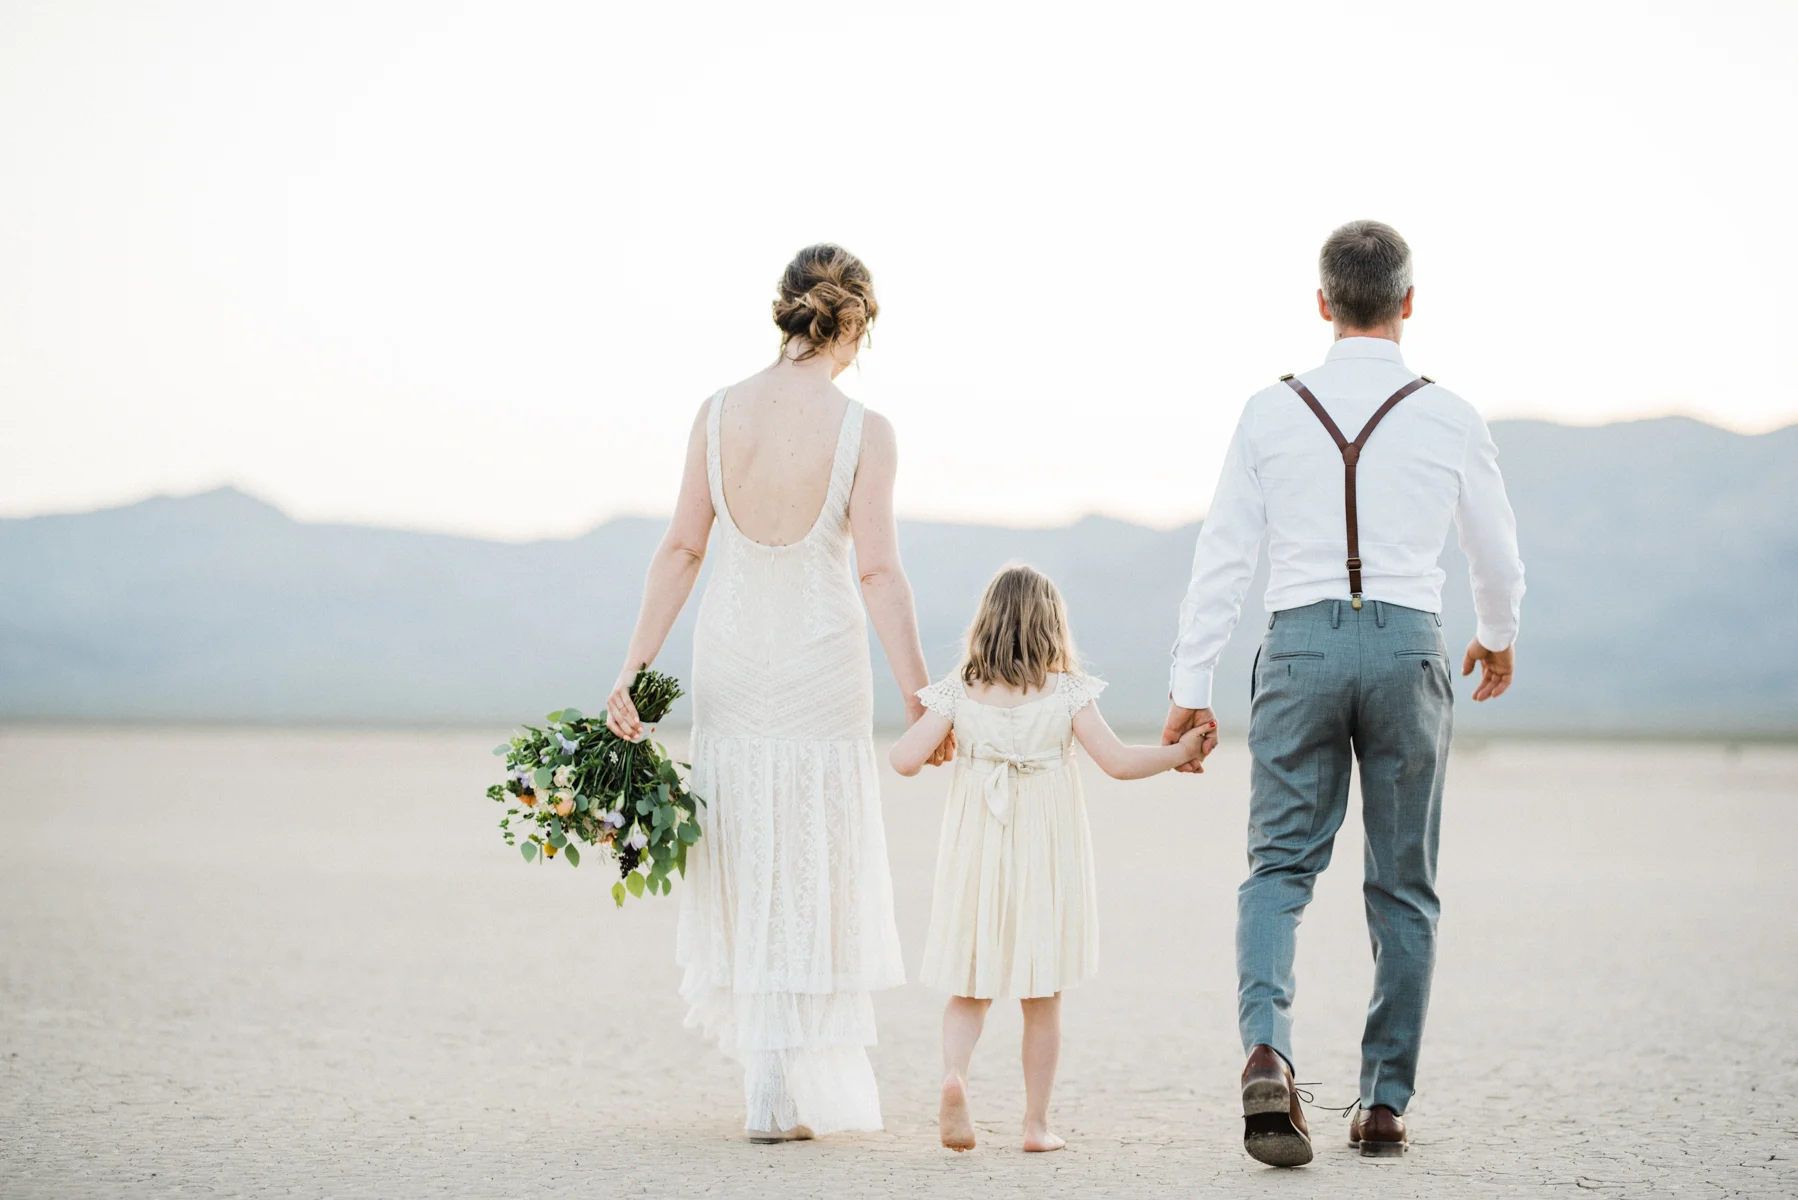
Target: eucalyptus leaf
{"x": 688, "y": 834}
{"x": 634, "y": 882}
{"x": 555, "y": 826}
{"x": 574, "y": 856}
{"x": 662, "y": 792}
{"x": 570, "y": 714}
{"x": 580, "y": 802}
{"x": 667, "y": 885}
{"x": 504, "y": 748}
{"x": 542, "y": 777}
{"x": 618, "y": 893}
{"x": 529, "y": 850}
{"x": 558, "y": 839}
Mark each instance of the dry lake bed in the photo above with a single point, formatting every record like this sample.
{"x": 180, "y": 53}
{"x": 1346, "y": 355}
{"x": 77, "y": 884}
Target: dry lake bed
{"x": 241, "y": 962}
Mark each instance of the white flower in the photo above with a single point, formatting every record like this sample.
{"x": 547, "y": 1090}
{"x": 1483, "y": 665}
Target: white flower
{"x": 615, "y": 820}
{"x": 564, "y": 776}
{"x": 637, "y": 840}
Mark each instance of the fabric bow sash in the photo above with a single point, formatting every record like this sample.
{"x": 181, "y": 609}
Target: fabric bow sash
{"x": 1001, "y": 771}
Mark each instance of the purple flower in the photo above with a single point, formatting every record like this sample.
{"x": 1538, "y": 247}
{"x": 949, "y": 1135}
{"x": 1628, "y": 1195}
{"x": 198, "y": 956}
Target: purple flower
{"x": 568, "y": 747}
{"x": 637, "y": 840}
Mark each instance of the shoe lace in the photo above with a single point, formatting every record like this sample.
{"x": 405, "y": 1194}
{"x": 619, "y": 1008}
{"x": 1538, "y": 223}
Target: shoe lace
{"x": 1345, "y": 1111}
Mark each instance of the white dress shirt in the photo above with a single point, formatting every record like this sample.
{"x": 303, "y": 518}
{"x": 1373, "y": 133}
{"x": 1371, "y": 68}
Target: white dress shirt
{"x": 1429, "y": 462}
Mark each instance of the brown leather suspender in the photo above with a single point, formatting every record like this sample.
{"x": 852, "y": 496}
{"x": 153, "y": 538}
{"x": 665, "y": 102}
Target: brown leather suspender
{"x": 1351, "y": 454}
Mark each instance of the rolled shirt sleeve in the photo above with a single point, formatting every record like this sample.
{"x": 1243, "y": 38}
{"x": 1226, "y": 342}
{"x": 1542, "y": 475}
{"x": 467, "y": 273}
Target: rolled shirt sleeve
{"x": 1487, "y": 530}
{"x": 1223, "y": 563}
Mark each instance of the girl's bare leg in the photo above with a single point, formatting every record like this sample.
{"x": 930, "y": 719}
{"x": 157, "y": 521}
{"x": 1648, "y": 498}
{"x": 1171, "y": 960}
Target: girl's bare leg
{"x": 963, "y": 1019}
{"x": 1042, "y": 1053}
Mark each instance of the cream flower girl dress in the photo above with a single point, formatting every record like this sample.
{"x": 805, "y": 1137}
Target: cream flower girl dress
{"x": 1013, "y": 915}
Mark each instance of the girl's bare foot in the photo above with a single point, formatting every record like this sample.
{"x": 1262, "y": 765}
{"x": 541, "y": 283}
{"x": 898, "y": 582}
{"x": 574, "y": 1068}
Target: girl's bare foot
{"x": 952, "y": 1119}
{"x": 1041, "y": 1141}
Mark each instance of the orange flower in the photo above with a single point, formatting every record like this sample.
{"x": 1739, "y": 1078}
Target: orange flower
{"x": 528, "y": 799}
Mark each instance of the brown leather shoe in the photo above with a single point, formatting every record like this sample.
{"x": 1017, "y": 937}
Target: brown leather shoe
{"x": 1273, "y": 1123}
{"x": 1379, "y": 1132}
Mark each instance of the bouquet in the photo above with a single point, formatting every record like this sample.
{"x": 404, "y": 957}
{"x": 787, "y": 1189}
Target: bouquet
{"x": 575, "y": 781}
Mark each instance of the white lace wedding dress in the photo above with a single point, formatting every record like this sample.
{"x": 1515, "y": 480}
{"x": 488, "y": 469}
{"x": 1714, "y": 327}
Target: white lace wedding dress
{"x": 786, "y": 920}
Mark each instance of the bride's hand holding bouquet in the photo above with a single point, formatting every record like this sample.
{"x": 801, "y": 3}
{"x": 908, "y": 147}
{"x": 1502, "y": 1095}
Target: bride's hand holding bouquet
{"x": 579, "y": 781}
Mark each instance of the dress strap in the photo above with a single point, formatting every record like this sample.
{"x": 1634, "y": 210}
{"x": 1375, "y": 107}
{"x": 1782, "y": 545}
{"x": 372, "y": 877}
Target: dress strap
{"x": 848, "y": 456}
{"x": 714, "y": 462}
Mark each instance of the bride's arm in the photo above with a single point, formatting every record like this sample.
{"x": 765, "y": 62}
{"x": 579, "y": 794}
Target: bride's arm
{"x": 884, "y": 585}
{"x": 672, "y": 572}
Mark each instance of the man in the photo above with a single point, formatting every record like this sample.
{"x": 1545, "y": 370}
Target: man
{"x": 1353, "y": 472}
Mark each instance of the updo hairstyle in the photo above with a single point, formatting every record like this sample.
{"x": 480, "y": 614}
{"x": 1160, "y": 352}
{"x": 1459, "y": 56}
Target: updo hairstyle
{"x": 826, "y": 295}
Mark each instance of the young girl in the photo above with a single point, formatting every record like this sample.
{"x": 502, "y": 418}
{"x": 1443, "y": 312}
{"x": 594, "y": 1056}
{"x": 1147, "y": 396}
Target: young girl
{"x": 1014, "y": 915}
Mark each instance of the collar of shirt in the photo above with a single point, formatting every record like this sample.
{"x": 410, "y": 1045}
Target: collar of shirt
{"x": 1365, "y": 347}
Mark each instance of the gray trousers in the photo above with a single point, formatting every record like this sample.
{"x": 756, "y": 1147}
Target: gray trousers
{"x": 1332, "y": 686}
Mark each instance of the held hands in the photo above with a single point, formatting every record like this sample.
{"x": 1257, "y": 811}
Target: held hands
{"x": 945, "y": 751}
{"x": 1192, "y": 742}
{"x": 1496, "y": 668}
{"x": 1198, "y": 724}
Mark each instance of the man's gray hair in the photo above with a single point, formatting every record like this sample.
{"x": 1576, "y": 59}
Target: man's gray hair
{"x": 1365, "y": 271}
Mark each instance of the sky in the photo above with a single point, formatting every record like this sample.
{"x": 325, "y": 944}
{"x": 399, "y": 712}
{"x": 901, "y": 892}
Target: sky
{"x": 474, "y": 267}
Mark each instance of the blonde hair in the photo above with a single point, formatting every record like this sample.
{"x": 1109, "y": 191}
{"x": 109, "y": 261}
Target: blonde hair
{"x": 1021, "y": 633}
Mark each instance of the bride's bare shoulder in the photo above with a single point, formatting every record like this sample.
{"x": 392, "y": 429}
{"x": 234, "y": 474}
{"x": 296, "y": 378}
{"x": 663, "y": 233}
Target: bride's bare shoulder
{"x": 877, "y": 431}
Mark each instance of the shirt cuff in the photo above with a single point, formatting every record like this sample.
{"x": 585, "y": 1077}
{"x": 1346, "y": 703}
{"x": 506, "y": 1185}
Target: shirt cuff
{"x": 1190, "y": 687}
{"x": 1494, "y": 638}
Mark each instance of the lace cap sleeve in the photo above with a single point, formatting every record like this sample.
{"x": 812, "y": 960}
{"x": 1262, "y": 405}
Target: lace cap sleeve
{"x": 1081, "y": 690}
{"x": 940, "y": 697}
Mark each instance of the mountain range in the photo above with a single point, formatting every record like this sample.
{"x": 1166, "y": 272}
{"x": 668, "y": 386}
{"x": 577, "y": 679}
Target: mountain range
{"x": 1660, "y": 554}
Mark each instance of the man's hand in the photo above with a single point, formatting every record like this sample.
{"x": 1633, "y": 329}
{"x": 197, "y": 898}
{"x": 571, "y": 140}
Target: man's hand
{"x": 1496, "y": 667}
{"x": 1179, "y": 720}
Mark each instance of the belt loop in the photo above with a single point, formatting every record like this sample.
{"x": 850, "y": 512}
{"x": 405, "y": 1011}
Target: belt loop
{"x": 1271, "y": 618}
{"x": 1438, "y": 619}
{"x": 1379, "y": 614}
{"x": 1335, "y": 614}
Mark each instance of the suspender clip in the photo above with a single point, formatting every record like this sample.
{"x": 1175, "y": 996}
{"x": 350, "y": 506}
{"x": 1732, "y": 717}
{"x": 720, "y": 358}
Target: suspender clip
{"x": 1355, "y": 601}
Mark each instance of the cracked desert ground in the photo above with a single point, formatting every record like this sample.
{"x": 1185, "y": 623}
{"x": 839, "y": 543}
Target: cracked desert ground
{"x": 242, "y": 962}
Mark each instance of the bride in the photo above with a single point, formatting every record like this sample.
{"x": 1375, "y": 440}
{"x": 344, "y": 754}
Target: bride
{"x": 786, "y": 921}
